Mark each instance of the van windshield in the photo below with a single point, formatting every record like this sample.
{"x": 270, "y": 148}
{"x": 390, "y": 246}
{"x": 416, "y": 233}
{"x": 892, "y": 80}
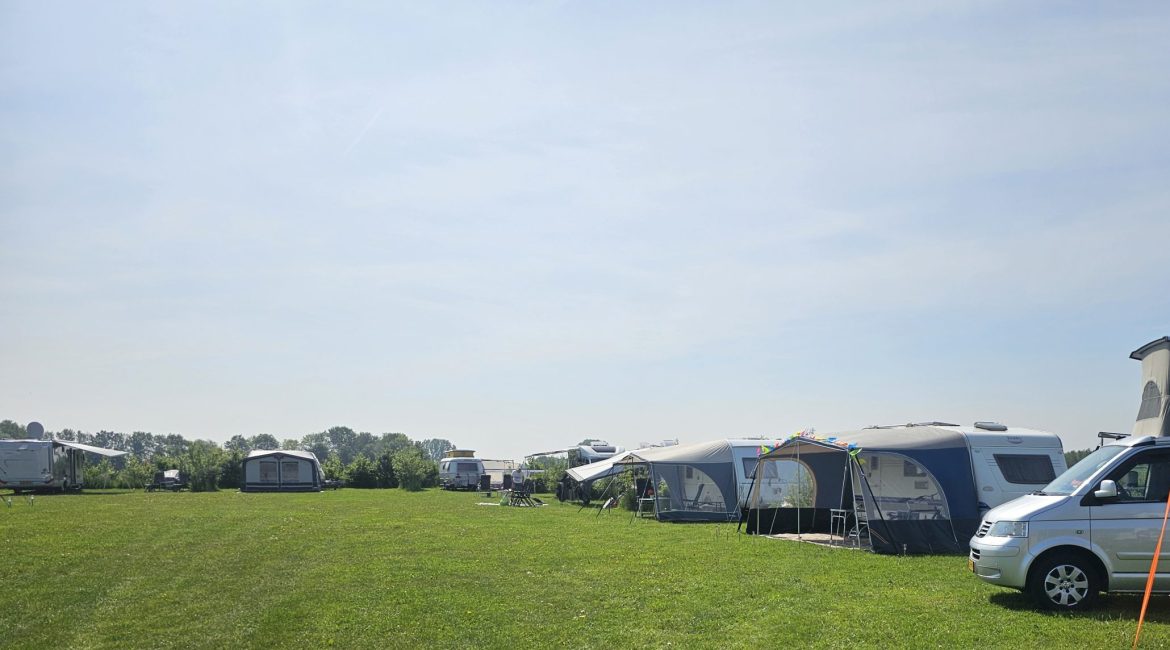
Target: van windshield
{"x": 1076, "y": 475}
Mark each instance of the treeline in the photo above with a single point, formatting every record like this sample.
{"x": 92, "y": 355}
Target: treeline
{"x": 362, "y": 460}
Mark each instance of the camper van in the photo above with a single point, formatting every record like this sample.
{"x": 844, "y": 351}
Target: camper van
{"x": 45, "y": 465}
{"x": 1092, "y": 529}
{"x": 460, "y": 470}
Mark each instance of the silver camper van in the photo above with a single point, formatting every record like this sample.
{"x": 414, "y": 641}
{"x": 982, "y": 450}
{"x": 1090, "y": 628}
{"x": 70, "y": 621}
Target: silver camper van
{"x": 460, "y": 470}
{"x": 1092, "y": 529}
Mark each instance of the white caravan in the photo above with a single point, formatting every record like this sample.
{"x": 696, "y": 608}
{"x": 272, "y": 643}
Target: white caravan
{"x": 45, "y": 465}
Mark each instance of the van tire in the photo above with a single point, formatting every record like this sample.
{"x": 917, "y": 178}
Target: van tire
{"x": 1064, "y": 582}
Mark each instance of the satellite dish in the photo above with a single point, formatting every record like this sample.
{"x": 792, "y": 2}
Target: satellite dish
{"x": 35, "y": 430}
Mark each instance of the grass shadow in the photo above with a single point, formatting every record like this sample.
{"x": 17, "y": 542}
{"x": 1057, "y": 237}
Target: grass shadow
{"x": 1108, "y": 608}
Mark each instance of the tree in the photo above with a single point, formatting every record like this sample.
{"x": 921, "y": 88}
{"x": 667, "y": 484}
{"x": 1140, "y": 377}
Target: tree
{"x": 231, "y": 469}
{"x": 385, "y": 470}
{"x": 100, "y": 475}
{"x": 334, "y": 470}
{"x": 140, "y": 443}
{"x": 264, "y": 441}
{"x": 238, "y": 443}
{"x": 318, "y": 443}
{"x": 436, "y": 448}
{"x": 290, "y": 444}
{"x": 10, "y": 429}
{"x": 411, "y": 469}
{"x": 136, "y": 474}
{"x": 341, "y": 440}
{"x": 392, "y": 443}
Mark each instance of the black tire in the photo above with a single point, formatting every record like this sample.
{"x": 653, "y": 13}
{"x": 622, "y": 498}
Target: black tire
{"x": 1066, "y": 582}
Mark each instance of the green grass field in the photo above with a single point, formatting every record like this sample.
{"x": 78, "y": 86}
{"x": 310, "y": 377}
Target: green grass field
{"x": 387, "y": 568}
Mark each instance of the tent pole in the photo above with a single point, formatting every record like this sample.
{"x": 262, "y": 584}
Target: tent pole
{"x": 799, "y": 490}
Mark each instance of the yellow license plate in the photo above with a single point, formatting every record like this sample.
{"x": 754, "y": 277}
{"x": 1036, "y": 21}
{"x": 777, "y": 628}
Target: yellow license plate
{"x": 971, "y": 565}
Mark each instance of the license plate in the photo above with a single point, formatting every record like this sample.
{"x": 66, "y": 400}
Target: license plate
{"x": 971, "y": 565}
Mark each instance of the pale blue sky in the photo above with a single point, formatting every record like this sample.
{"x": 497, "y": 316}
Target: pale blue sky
{"x": 515, "y": 225}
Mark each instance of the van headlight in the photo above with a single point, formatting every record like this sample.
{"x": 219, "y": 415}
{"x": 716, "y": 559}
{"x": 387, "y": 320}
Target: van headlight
{"x": 1008, "y": 529}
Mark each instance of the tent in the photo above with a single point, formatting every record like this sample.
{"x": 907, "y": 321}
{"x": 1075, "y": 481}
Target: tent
{"x": 910, "y": 488}
{"x": 282, "y": 471}
{"x": 695, "y": 482}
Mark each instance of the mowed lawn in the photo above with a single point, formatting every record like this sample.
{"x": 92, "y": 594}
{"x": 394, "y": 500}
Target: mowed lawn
{"x": 387, "y": 568}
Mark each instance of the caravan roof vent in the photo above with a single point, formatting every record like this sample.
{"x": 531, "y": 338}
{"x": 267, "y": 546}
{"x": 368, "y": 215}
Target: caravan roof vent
{"x": 990, "y": 426}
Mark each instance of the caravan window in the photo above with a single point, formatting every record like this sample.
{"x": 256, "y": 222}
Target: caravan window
{"x": 1025, "y": 469}
{"x": 268, "y": 471}
{"x": 466, "y": 467}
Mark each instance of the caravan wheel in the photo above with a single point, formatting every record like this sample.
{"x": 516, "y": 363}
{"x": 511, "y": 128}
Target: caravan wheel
{"x": 1064, "y": 582}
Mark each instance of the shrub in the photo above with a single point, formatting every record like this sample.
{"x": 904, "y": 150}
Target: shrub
{"x": 362, "y": 473}
{"x": 412, "y": 470}
{"x": 201, "y": 464}
{"x": 334, "y": 470}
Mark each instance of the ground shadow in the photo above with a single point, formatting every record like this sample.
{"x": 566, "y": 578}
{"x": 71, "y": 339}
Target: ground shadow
{"x": 1108, "y": 607}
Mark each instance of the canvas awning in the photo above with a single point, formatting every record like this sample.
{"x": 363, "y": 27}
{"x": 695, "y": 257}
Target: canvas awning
{"x": 101, "y": 451}
{"x": 600, "y": 469}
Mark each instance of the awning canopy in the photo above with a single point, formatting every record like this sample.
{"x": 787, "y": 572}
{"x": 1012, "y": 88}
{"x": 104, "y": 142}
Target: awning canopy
{"x": 101, "y": 451}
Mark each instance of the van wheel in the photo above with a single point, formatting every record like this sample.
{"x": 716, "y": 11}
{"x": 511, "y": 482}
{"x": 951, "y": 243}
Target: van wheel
{"x": 1064, "y": 582}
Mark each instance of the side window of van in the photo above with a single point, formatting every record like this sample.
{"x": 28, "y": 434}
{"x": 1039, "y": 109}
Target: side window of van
{"x": 1144, "y": 478}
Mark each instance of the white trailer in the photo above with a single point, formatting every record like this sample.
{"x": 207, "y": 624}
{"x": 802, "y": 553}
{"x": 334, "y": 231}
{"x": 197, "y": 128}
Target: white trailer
{"x": 45, "y": 465}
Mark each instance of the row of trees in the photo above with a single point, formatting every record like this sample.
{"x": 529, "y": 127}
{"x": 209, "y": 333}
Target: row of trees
{"x": 361, "y": 459}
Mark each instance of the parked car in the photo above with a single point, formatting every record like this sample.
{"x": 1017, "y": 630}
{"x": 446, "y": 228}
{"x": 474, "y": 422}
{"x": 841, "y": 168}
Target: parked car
{"x": 1093, "y": 529}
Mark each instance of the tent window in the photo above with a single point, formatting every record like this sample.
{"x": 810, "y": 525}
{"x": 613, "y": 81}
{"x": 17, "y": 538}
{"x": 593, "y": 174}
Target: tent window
{"x": 268, "y": 471}
{"x": 691, "y": 489}
{"x": 1151, "y": 400}
{"x": 798, "y": 487}
{"x": 905, "y": 490}
{"x": 749, "y": 466}
{"x": 1025, "y": 469}
{"x": 290, "y": 470}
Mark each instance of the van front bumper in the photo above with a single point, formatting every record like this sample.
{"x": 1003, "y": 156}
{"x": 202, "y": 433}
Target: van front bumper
{"x": 1000, "y": 560}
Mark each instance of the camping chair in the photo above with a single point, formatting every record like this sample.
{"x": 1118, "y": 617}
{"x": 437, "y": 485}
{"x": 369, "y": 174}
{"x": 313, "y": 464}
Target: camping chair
{"x": 698, "y": 495}
{"x": 520, "y": 496}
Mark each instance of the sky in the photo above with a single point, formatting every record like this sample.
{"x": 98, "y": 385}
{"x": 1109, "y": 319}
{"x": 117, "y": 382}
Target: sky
{"x": 517, "y": 225}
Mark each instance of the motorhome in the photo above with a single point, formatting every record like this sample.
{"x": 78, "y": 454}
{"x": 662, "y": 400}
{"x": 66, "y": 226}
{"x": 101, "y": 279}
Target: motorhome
{"x": 45, "y": 465}
{"x": 460, "y": 470}
{"x": 593, "y": 452}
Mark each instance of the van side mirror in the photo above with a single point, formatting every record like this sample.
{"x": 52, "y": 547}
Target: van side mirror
{"x": 1107, "y": 490}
